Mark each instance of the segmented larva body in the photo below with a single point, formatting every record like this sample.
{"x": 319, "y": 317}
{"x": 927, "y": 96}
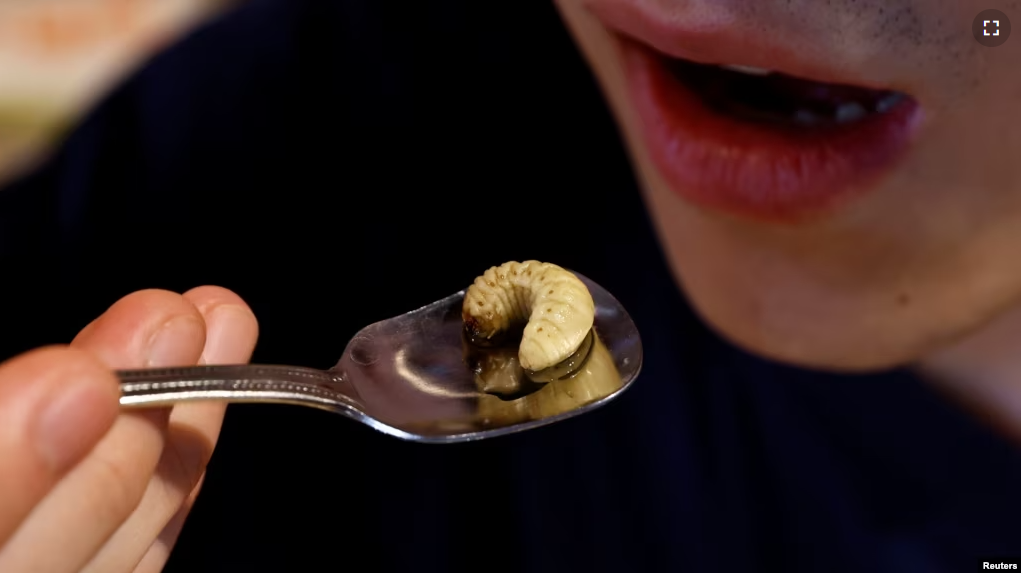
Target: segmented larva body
{"x": 554, "y": 304}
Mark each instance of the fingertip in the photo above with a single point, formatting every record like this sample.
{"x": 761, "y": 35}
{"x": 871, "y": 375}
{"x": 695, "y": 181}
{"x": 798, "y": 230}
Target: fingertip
{"x": 50, "y": 364}
{"x": 56, "y": 403}
{"x": 148, "y": 328}
{"x": 79, "y": 407}
{"x": 231, "y": 327}
{"x": 207, "y": 296}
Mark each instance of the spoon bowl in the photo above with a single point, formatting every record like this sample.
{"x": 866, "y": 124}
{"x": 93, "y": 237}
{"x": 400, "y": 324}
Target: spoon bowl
{"x": 408, "y": 377}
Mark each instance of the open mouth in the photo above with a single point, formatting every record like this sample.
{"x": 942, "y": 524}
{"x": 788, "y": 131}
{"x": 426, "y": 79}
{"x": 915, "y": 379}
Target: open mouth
{"x": 758, "y": 95}
{"x": 757, "y": 143}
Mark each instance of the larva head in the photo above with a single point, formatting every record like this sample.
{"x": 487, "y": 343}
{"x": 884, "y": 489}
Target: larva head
{"x": 556, "y": 307}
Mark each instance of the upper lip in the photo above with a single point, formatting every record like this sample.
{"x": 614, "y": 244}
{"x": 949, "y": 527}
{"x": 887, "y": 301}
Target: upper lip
{"x": 718, "y": 39}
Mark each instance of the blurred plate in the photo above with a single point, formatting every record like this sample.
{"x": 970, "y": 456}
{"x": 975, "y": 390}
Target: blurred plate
{"x": 57, "y": 57}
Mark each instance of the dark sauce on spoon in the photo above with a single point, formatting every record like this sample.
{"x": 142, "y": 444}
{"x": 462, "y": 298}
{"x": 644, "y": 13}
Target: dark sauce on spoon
{"x": 499, "y": 373}
{"x": 509, "y": 394}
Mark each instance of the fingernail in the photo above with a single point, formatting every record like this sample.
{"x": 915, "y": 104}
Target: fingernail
{"x": 174, "y": 343}
{"x": 227, "y": 341}
{"x": 71, "y": 423}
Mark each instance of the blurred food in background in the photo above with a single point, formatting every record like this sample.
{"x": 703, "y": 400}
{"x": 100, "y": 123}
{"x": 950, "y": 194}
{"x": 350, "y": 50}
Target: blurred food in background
{"x": 58, "y": 57}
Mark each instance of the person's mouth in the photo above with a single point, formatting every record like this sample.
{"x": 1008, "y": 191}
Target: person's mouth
{"x": 730, "y": 131}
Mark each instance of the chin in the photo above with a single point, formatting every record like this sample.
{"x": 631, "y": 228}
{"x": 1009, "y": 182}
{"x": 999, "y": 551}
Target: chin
{"x": 799, "y": 340}
{"x": 860, "y": 329}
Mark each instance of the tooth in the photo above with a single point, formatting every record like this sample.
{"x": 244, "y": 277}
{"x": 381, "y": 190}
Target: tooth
{"x": 848, "y": 112}
{"x": 806, "y": 117}
{"x": 888, "y": 102}
{"x": 750, "y": 70}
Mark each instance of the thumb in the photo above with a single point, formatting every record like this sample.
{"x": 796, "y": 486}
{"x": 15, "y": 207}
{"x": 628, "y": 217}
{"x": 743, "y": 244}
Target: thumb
{"x": 55, "y": 405}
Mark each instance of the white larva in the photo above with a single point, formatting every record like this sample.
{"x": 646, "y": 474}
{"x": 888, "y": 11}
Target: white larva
{"x": 554, "y": 304}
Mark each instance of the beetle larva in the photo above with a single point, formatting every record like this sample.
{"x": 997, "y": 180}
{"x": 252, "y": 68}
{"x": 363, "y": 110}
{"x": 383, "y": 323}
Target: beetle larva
{"x": 553, "y": 304}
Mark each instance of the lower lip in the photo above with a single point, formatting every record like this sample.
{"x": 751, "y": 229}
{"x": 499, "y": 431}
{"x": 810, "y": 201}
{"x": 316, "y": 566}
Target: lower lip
{"x": 755, "y": 171}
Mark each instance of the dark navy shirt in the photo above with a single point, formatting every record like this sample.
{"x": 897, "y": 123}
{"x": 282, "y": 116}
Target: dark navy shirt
{"x": 340, "y": 162}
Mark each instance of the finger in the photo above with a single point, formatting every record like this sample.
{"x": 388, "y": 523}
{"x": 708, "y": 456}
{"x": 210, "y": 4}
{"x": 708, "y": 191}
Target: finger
{"x": 144, "y": 330}
{"x": 148, "y": 328}
{"x": 156, "y": 557}
{"x": 231, "y": 332}
{"x": 55, "y": 404}
{"x": 231, "y": 327}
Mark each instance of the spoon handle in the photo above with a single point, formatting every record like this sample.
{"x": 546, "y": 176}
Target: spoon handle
{"x": 235, "y": 383}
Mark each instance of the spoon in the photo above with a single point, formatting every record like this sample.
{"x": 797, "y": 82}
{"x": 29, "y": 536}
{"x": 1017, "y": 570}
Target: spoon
{"x": 407, "y": 377}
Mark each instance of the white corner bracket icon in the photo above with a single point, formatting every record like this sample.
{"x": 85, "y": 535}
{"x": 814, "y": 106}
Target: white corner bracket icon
{"x": 997, "y": 25}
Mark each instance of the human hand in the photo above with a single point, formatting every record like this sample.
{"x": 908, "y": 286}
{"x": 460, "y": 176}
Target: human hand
{"x": 85, "y": 486}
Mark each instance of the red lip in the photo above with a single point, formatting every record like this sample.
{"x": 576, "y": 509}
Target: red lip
{"x": 735, "y": 166}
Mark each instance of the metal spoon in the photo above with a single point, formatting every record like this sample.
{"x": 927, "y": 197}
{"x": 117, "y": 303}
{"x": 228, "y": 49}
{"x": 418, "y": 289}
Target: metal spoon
{"x": 406, "y": 377}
